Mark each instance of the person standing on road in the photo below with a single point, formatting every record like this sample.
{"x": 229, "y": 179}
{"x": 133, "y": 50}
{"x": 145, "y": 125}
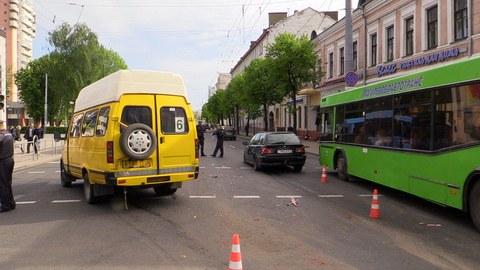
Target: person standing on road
{"x": 29, "y": 137}
{"x": 219, "y": 132}
{"x": 7, "y": 202}
{"x": 201, "y": 137}
{"x": 38, "y": 132}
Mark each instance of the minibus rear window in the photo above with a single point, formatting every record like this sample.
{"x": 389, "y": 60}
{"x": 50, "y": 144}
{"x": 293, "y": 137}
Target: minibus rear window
{"x": 174, "y": 120}
{"x": 137, "y": 114}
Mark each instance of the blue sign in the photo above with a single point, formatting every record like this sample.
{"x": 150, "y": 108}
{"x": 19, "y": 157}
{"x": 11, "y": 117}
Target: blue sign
{"x": 351, "y": 78}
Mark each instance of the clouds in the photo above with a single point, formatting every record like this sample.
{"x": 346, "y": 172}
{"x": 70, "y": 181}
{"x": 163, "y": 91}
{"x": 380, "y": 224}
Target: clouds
{"x": 197, "y": 39}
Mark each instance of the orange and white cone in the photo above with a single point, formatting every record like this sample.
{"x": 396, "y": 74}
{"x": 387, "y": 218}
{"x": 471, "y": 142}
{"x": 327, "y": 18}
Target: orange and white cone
{"x": 375, "y": 208}
{"x": 324, "y": 175}
{"x": 235, "y": 256}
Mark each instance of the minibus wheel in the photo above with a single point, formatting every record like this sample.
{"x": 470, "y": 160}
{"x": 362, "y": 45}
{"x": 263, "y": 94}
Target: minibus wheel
{"x": 88, "y": 190}
{"x": 138, "y": 141}
{"x": 65, "y": 178}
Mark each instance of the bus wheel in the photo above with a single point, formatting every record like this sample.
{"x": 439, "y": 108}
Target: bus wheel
{"x": 342, "y": 167}
{"x": 88, "y": 190}
{"x": 138, "y": 141}
{"x": 474, "y": 205}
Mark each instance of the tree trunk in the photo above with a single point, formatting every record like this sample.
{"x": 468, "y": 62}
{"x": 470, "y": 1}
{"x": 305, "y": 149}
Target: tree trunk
{"x": 265, "y": 116}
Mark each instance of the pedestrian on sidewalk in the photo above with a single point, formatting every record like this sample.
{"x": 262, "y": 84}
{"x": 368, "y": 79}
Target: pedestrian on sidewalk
{"x": 219, "y": 132}
{"x": 29, "y": 137}
{"x": 7, "y": 163}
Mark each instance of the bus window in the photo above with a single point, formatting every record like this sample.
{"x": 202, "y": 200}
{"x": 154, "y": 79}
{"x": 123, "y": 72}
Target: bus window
{"x": 379, "y": 115}
{"x": 102, "y": 121}
{"x": 467, "y": 119}
{"x": 325, "y": 121}
{"x": 89, "y": 123}
{"x": 76, "y": 123}
{"x": 442, "y": 127}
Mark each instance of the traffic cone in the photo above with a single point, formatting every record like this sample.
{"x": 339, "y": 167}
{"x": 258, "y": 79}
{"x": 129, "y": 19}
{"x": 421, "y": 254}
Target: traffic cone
{"x": 375, "y": 208}
{"x": 324, "y": 175}
{"x": 235, "y": 255}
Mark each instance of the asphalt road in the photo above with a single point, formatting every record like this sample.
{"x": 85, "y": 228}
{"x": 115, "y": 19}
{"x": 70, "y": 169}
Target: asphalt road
{"x": 330, "y": 228}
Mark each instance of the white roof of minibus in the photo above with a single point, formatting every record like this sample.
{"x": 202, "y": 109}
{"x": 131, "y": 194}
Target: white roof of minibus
{"x": 112, "y": 87}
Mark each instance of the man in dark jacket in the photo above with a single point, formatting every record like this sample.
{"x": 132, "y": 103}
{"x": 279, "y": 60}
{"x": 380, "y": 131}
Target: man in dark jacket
{"x": 219, "y": 132}
{"x": 29, "y": 133}
{"x": 7, "y": 202}
{"x": 201, "y": 137}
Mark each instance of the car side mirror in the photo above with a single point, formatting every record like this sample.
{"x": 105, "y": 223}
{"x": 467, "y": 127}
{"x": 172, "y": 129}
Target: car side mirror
{"x": 245, "y": 143}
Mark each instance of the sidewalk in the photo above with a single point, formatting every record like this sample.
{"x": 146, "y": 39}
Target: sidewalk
{"x": 49, "y": 151}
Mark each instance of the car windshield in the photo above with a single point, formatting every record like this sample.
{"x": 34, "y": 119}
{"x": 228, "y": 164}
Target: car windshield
{"x": 287, "y": 138}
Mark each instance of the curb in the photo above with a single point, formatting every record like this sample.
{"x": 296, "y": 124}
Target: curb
{"x": 20, "y": 166}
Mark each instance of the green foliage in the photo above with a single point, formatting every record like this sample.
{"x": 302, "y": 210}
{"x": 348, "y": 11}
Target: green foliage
{"x": 294, "y": 65}
{"x": 77, "y": 60}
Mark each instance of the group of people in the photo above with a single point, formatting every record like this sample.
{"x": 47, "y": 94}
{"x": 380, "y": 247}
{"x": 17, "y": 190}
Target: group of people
{"x": 7, "y": 140}
{"x": 219, "y": 132}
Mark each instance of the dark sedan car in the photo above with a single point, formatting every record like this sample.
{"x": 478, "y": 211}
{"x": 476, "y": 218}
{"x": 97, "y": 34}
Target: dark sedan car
{"x": 230, "y": 133}
{"x": 275, "y": 149}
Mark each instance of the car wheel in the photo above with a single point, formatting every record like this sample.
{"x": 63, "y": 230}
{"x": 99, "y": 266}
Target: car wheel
{"x": 65, "y": 178}
{"x": 245, "y": 158}
{"x": 297, "y": 168}
{"x": 138, "y": 141}
{"x": 164, "y": 189}
{"x": 256, "y": 164}
{"x": 88, "y": 190}
{"x": 474, "y": 205}
{"x": 342, "y": 167}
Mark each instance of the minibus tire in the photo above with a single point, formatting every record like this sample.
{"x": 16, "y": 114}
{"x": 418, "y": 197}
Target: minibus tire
{"x": 474, "y": 205}
{"x": 88, "y": 190}
{"x": 138, "y": 131}
{"x": 65, "y": 178}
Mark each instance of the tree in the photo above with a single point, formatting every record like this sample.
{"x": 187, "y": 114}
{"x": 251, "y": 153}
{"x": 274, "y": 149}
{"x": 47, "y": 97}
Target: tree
{"x": 260, "y": 88}
{"x": 294, "y": 64}
{"x": 76, "y": 61}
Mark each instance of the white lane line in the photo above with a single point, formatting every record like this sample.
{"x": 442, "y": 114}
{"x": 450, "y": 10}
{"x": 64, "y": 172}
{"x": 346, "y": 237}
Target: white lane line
{"x": 202, "y": 167}
{"x": 57, "y": 171}
{"x": 66, "y": 201}
{"x": 246, "y": 168}
{"x": 232, "y": 146}
{"x": 367, "y": 195}
{"x": 331, "y": 196}
{"x": 288, "y": 196}
{"x": 223, "y": 167}
{"x": 36, "y": 172}
{"x": 246, "y": 197}
{"x": 26, "y": 202}
{"x": 202, "y": 197}
{"x": 54, "y": 162}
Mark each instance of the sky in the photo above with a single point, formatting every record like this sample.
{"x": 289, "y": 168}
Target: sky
{"x": 196, "y": 39}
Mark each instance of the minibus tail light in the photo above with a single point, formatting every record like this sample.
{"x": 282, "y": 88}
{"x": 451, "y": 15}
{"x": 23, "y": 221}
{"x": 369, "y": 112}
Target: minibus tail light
{"x": 109, "y": 152}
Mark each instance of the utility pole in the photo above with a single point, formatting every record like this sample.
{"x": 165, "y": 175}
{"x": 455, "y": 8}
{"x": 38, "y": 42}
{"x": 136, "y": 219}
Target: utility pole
{"x": 348, "y": 37}
{"x": 46, "y": 101}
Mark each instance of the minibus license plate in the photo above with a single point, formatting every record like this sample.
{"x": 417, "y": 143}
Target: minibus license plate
{"x": 137, "y": 163}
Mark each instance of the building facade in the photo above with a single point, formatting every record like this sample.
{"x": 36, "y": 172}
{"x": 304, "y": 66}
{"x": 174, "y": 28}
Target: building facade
{"x": 305, "y": 22}
{"x": 19, "y": 28}
{"x": 393, "y": 38}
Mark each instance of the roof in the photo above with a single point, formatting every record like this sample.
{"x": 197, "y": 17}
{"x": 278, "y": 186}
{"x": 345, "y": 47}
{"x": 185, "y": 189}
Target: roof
{"x": 113, "y": 86}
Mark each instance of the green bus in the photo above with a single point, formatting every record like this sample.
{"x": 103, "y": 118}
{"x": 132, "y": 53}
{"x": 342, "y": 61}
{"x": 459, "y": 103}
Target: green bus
{"x": 418, "y": 133}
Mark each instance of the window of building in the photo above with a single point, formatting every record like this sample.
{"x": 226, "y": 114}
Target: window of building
{"x": 373, "y": 59}
{"x": 390, "y": 43}
{"x": 330, "y": 65}
{"x": 342, "y": 61}
{"x": 409, "y": 36}
{"x": 432, "y": 27}
{"x": 461, "y": 19}
{"x": 355, "y": 53}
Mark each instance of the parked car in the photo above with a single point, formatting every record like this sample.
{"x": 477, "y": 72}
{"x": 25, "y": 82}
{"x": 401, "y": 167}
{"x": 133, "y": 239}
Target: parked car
{"x": 275, "y": 149}
{"x": 230, "y": 133}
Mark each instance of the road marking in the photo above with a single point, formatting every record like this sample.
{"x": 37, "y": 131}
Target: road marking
{"x": 26, "y": 202}
{"x": 367, "y": 195}
{"x": 246, "y": 168}
{"x": 246, "y": 197}
{"x": 223, "y": 167}
{"x": 232, "y": 146}
{"x": 202, "y": 197}
{"x": 66, "y": 201}
{"x": 202, "y": 167}
{"x": 57, "y": 171}
{"x": 36, "y": 172}
{"x": 54, "y": 162}
{"x": 288, "y": 196}
{"x": 331, "y": 196}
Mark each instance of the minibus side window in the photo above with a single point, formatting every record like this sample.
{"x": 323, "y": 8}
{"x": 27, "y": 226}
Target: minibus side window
{"x": 88, "y": 128}
{"x": 76, "y": 123}
{"x": 102, "y": 123}
{"x": 137, "y": 114}
{"x": 174, "y": 120}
